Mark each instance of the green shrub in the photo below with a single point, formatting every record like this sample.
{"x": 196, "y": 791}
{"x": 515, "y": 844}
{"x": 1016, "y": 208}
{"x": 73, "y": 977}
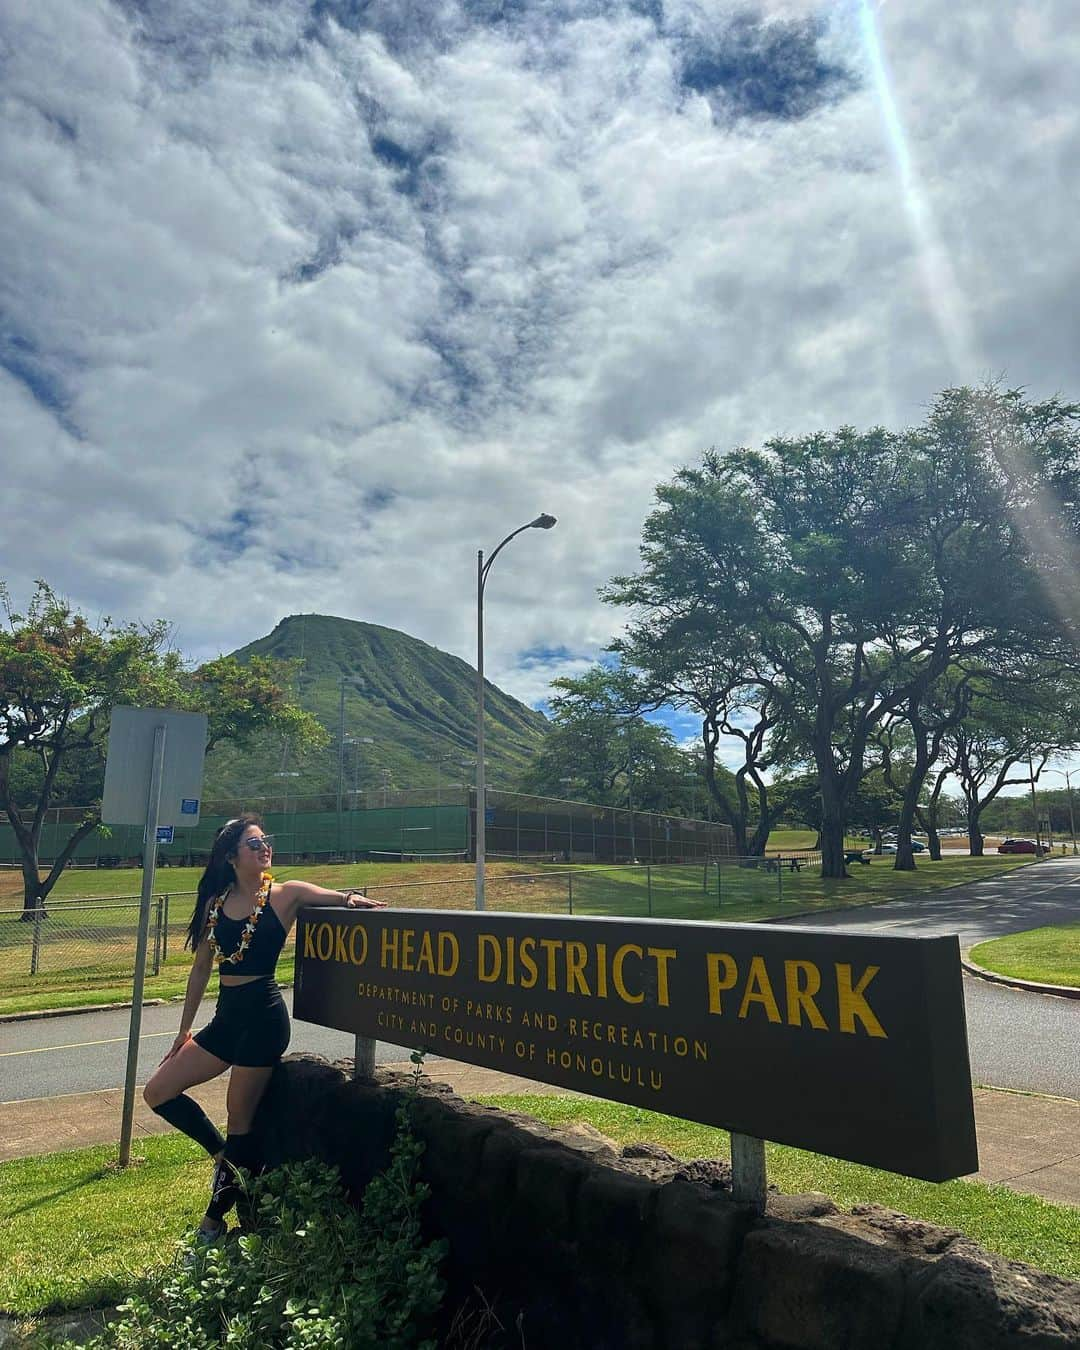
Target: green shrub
{"x": 313, "y": 1271}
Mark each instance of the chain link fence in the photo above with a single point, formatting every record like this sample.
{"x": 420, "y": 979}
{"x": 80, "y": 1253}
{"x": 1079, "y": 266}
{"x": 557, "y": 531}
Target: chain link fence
{"x": 81, "y": 945}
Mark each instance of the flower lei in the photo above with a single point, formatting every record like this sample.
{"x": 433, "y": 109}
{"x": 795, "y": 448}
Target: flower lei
{"x": 249, "y": 928}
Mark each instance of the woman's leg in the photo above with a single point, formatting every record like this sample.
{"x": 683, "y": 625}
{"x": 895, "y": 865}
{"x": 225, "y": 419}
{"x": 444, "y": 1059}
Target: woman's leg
{"x": 165, "y": 1094}
{"x": 246, "y": 1088}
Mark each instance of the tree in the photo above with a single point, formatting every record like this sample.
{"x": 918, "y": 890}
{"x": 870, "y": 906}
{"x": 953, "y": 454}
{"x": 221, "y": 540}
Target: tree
{"x": 845, "y": 572}
{"x": 677, "y": 661}
{"x": 610, "y": 755}
{"x": 60, "y": 677}
{"x": 1010, "y": 733}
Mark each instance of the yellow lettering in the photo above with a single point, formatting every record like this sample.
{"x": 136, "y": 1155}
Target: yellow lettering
{"x": 526, "y": 947}
{"x": 325, "y": 932}
{"x": 309, "y": 941}
{"x": 340, "y": 954}
{"x": 486, "y": 942}
{"x": 617, "y": 972}
{"x": 851, "y": 1001}
{"x": 408, "y": 943}
{"x": 800, "y": 996}
{"x": 551, "y": 946}
{"x": 662, "y": 955}
{"x": 601, "y": 970}
{"x": 449, "y": 954}
{"x": 425, "y": 957}
{"x": 759, "y": 990}
{"x": 388, "y": 948}
{"x": 358, "y": 931}
{"x": 576, "y": 956}
{"x": 714, "y": 961}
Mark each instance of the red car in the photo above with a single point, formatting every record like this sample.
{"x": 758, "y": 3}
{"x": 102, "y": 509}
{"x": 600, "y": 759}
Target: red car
{"x": 1017, "y": 846}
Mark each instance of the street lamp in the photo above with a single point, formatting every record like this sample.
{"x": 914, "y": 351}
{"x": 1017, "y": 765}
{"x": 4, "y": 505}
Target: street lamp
{"x": 542, "y": 522}
{"x": 356, "y": 684}
{"x": 1064, "y": 773}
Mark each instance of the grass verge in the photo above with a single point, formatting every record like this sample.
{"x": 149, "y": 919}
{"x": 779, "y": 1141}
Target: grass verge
{"x": 85, "y": 956}
{"x": 1046, "y": 955}
{"x": 1019, "y": 1227}
{"x": 77, "y": 1231}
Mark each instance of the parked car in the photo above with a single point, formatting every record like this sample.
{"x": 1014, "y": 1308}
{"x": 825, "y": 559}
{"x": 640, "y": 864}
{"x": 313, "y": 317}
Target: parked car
{"x": 1018, "y": 846}
{"x": 917, "y": 846}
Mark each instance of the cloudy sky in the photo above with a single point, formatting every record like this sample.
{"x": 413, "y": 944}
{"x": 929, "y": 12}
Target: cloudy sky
{"x": 303, "y": 301}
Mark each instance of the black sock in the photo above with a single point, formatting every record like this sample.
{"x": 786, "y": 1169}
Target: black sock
{"x": 240, "y": 1152}
{"x": 185, "y": 1113}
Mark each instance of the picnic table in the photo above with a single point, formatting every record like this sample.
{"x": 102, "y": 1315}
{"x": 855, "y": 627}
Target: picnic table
{"x": 853, "y": 855}
{"x": 779, "y": 863}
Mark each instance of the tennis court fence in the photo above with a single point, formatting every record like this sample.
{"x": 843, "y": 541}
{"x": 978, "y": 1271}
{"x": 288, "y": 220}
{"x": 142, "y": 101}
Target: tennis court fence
{"x": 89, "y": 943}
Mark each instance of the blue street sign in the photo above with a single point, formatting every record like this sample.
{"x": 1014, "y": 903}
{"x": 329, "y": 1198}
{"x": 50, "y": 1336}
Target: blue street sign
{"x": 489, "y": 815}
{"x": 164, "y": 834}
{"x": 189, "y": 806}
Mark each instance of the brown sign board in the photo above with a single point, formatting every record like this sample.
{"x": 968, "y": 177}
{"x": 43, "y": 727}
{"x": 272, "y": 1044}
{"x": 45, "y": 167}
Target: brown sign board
{"x": 848, "y": 1044}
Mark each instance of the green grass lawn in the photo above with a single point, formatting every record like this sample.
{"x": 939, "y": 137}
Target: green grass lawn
{"x": 1046, "y": 955}
{"x": 86, "y": 955}
{"x": 77, "y": 1232}
{"x": 1020, "y": 1227}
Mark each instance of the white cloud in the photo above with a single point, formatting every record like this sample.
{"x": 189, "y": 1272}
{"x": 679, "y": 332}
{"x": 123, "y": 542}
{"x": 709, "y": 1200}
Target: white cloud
{"x": 297, "y": 312}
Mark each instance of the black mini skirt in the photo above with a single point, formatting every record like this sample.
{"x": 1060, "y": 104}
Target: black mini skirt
{"x": 250, "y": 1026}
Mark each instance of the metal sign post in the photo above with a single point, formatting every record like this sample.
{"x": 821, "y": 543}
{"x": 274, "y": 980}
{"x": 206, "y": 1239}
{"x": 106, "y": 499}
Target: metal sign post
{"x": 748, "y": 1184}
{"x": 153, "y": 807}
{"x": 143, "y": 783}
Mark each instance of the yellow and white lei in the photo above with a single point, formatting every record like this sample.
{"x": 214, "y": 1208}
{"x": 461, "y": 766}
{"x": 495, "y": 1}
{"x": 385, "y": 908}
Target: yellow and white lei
{"x": 249, "y": 928}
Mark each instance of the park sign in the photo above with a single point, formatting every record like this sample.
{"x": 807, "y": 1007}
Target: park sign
{"x": 848, "y": 1044}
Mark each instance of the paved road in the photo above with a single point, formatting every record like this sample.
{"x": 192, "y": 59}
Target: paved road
{"x": 52, "y": 1055}
{"x": 1016, "y": 1039}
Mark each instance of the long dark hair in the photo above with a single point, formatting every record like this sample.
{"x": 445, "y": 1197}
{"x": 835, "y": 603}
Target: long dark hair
{"x": 219, "y": 873}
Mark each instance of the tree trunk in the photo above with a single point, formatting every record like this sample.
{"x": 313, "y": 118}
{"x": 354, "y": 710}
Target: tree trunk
{"x": 975, "y": 836}
{"x": 832, "y": 846}
{"x": 905, "y": 855}
{"x": 36, "y": 888}
{"x": 33, "y": 893}
{"x": 929, "y": 819}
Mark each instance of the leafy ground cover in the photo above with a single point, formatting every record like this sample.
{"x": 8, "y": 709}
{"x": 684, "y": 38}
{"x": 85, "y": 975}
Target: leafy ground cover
{"x": 85, "y": 954}
{"x": 1020, "y": 1227}
{"x": 1046, "y": 955}
{"x": 78, "y": 1233}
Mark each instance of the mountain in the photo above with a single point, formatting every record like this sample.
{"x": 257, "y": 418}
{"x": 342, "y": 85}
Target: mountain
{"x": 418, "y": 705}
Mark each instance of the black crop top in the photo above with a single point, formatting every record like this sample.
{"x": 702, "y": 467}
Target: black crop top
{"x": 264, "y": 948}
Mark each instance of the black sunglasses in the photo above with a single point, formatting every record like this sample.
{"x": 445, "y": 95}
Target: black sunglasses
{"x": 257, "y": 845}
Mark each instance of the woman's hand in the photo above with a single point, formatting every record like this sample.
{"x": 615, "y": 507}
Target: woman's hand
{"x": 181, "y": 1040}
{"x": 354, "y": 900}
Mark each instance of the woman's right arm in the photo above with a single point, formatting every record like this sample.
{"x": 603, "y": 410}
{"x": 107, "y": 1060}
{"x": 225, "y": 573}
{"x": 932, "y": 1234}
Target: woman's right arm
{"x": 196, "y": 987}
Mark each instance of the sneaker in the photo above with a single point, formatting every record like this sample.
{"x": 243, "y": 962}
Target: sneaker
{"x": 202, "y": 1240}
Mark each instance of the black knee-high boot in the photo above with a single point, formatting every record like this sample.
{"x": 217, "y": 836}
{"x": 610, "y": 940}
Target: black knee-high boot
{"x": 240, "y": 1152}
{"x": 185, "y": 1113}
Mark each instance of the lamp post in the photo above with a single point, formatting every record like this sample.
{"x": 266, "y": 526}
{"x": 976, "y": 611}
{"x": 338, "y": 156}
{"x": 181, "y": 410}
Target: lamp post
{"x": 542, "y": 522}
{"x": 1064, "y": 773}
{"x": 344, "y": 680}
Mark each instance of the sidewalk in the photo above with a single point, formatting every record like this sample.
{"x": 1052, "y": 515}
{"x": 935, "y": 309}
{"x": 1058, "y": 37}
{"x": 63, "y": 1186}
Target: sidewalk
{"x": 1028, "y": 1143}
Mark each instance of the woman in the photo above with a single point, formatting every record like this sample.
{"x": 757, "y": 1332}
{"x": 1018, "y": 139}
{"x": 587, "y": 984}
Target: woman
{"x": 240, "y": 922}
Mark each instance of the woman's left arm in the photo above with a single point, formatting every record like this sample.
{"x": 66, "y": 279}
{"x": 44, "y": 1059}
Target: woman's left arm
{"x": 296, "y": 894}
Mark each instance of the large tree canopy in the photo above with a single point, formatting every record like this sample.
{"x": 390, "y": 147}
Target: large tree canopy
{"x": 60, "y": 677}
{"x": 842, "y": 574}
{"x": 598, "y": 748}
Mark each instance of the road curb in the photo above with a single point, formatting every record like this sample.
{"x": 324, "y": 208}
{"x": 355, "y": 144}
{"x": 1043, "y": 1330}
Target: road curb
{"x": 1032, "y": 986}
{"x": 72, "y": 1012}
{"x": 95, "y": 1007}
